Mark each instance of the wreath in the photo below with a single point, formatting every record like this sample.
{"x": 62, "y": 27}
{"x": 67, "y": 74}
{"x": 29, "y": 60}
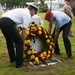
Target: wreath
{"x": 47, "y": 50}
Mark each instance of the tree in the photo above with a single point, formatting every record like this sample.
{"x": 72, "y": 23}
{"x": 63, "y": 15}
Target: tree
{"x": 43, "y": 7}
{"x": 15, "y": 2}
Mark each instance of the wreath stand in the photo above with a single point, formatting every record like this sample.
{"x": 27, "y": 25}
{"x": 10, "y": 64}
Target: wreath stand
{"x": 52, "y": 61}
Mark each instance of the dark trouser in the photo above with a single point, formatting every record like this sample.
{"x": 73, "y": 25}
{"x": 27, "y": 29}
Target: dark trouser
{"x": 12, "y": 37}
{"x": 67, "y": 44}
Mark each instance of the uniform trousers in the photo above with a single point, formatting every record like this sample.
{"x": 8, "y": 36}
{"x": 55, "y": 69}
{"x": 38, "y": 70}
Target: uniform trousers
{"x": 12, "y": 37}
{"x": 67, "y": 43}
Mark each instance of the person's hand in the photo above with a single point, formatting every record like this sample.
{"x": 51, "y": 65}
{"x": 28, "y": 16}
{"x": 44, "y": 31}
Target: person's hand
{"x": 23, "y": 46}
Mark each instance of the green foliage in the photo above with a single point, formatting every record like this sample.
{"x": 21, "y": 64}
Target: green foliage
{"x": 43, "y": 7}
{"x": 15, "y": 2}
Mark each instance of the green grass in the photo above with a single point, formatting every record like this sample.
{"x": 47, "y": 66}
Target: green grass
{"x": 64, "y": 68}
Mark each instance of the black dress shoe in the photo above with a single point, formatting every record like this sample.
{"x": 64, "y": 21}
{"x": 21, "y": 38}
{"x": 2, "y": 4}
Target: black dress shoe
{"x": 69, "y": 57}
{"x": 22, "y": 65}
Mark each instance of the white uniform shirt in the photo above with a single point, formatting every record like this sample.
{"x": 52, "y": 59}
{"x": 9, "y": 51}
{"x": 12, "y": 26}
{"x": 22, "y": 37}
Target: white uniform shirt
{"x": 19, "y": 16}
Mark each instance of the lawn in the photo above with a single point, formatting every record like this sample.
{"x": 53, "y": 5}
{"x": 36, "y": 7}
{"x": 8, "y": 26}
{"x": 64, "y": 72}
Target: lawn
{"x": 64, "y": 68}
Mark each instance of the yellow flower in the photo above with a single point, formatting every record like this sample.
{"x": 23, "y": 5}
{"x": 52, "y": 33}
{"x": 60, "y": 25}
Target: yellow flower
{"x": 52, "y": 51}
{"x": 25, "y": 48}
{"x": 48, "y": 55}
{"x": 39, "y": 28}
{"x": 48, "y": 41}
{"x": 52, "y": 43}
{"x": 50, "y": 36}
{"x": 39, "y": 32}
{"x": 29, "y": 52}
{"x": 33, "y": 51}
{"x": 27, "y": 29}
{"x": 25, "y": 42}
{"x": 29, "y": 26}
{"x": 41, "y": 55}
{"x": 44, "y": 53}
{"x": 44, "y": 31}
{"x": 20, "y": 33}
{"x": 46, "y": 36}
{"x": 35, "y": 28}
{"x": 36, "y": 60}
{"x": 50, "y": 47}
{"x": 24, "y": 55}
{"x": 32, "y": 25}
{"x": 48, "y": 51}
{"x": 32, "y": 57}
{"x": 27, "y": 32}
{"x": 28, "y": 41}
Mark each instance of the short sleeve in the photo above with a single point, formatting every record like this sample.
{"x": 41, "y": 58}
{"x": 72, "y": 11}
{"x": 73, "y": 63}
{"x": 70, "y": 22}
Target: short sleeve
{"x": 25, "y": 21}
{"x": 57, "y": 24}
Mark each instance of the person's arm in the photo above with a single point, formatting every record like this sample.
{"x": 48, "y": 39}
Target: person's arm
{"x": 56, "y": 34}
{"x": 50, "y": 27}
{"x": 70, "y": 14}
{"x": 68, "y": 11}
{"x": 23, "y": 33}
{"x": 16, "y": 26}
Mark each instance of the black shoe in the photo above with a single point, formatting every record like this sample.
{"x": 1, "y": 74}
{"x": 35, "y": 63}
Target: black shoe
{"x": 20, "y": 66}
{"x": 71, "y": 35}
{"x": 69, "y": 57}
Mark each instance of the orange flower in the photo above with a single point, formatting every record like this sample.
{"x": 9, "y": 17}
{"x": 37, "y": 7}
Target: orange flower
{"x": 48, "y": 55}
{"x": 43, "y": 58}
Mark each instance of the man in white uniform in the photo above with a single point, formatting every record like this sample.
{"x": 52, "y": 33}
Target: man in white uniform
{"x": 62, "y": 23}
{"x": 8, "y": 23}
